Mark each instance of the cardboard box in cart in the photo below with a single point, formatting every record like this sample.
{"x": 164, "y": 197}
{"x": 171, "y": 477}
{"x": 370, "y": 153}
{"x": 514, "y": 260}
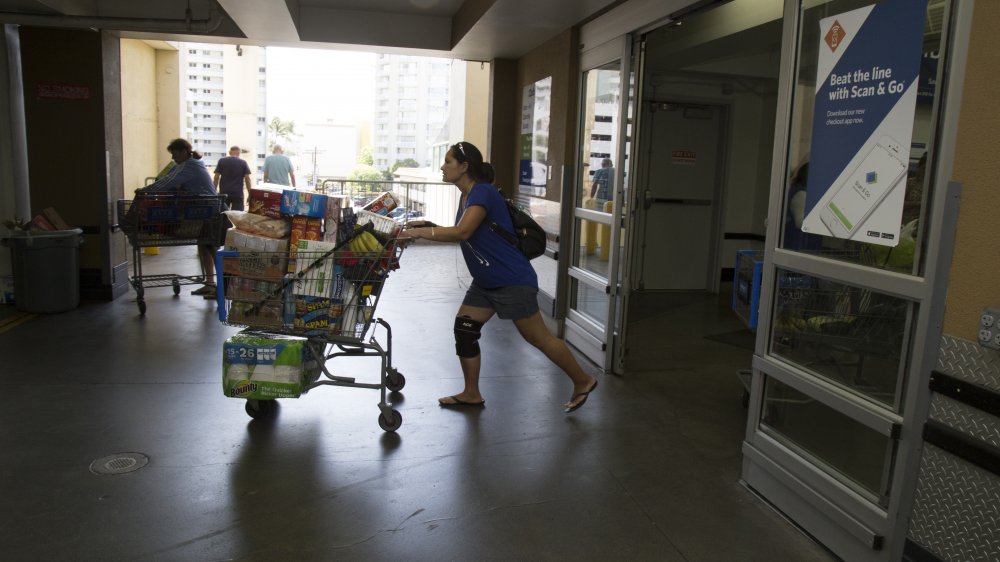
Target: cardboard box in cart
{"x": 259, "y": 256}
{"x": 303, "y": 203}
{"x": 265, "y": 202}
{"x": 261, "y": 366}
{"x": 316, "y": 276}
{"x": 383, "y": 204}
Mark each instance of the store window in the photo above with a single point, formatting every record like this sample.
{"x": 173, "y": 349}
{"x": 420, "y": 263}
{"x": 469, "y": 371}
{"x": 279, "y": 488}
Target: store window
{"x": 852, "y": 337}
{"x": 858, "y": 455}
{"x": 874, "y": 212}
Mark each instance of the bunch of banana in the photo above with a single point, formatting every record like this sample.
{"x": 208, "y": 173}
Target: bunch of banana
{"x": 365, "y": 243}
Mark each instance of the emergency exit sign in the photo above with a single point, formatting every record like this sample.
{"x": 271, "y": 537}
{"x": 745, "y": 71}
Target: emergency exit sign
{"x": 683, "y": 156}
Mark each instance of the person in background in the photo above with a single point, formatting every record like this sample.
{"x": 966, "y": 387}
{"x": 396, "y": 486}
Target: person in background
{"x": 190, "y": 177}
{"x": 604, "y": 179}
{"x": 504, "y": 283}
{"x": 278, "y": 168}
{"x": 794, "y": 237}
{"x": 232, "y": 174}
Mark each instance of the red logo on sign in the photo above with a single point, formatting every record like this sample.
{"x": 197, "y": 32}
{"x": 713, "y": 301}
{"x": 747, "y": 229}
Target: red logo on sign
{"x": 835, "y": 36}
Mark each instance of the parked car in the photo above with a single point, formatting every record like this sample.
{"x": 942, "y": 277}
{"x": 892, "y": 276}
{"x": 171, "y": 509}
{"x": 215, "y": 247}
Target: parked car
{"x": 407, "y": 216}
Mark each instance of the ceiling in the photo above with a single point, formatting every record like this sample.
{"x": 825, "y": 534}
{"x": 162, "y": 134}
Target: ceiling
{"x": 465, "y": 29}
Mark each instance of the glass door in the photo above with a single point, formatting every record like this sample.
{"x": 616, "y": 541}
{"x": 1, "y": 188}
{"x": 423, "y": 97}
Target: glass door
{"x": 598, "y": 195}
{"x": 852, "y": 295}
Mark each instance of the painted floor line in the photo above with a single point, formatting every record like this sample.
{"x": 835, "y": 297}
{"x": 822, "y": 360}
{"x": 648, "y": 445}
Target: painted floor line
{"x": 13, "y": 321}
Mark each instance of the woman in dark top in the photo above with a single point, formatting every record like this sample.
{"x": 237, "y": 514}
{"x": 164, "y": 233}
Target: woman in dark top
{"x": 189, "y": 176}
{"x": 504, "y": 283}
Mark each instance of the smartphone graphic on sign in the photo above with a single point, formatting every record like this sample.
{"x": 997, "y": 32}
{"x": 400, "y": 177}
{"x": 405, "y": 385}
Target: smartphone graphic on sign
{"x": 866, "y": 187}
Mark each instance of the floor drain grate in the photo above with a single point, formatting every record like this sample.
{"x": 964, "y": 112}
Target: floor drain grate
{"x": 119, "y": 463}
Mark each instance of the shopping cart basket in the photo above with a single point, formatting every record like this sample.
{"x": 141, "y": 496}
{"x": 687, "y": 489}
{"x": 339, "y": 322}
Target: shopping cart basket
{"x": 324, "y": 294}
{"x": 153, "y": 220}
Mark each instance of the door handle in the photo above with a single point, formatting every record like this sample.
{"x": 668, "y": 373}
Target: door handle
{"x": 647, "y": 199}
{"x": 679, "y": 201}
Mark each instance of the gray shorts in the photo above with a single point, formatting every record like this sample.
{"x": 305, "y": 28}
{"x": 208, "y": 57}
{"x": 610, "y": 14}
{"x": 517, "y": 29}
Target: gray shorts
{"x": 510, "y": 303}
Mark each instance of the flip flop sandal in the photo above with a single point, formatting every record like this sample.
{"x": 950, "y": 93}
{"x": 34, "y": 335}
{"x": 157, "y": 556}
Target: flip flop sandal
{"x": 585, "y": 395}
{"x": 456, "y": 401}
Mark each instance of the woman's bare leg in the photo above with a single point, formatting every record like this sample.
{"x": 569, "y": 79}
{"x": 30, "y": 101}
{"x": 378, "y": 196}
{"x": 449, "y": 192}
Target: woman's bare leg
{"x": 533, "y": 330}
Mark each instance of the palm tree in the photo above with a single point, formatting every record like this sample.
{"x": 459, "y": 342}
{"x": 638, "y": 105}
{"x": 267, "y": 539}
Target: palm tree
{"x": 278, "y": 129}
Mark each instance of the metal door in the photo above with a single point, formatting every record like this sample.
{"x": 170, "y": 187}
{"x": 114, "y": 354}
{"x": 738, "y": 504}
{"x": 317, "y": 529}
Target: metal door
{"x": 682, "y": 182}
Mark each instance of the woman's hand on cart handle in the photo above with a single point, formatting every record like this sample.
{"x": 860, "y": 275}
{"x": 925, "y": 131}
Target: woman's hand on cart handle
{"x": 415, "y": 230}
{"x": 420, "y": 224}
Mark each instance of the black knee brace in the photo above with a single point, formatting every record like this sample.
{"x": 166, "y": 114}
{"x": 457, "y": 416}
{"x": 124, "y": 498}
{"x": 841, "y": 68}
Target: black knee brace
{"x": 467, "y": 336}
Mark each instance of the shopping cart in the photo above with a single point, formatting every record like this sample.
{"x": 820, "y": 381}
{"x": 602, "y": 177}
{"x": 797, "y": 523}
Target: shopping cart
{"x": 153, "y": 220}
{"x": 852, "y": 336}
{"x": 327, "y": 298}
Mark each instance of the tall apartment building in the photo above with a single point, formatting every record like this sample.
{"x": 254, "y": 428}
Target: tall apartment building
{"x": 411, "y": 108}
{"x": 604, "y": 123}
{"x": 226, "y": 101}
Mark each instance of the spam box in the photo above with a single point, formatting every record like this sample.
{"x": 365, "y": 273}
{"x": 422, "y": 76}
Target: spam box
{"x": 304, "y": 203}
{"x": 316, "y": 316}
{"x": 264, "y": 366}
{"x": 265, "y": 202}
{"x": 259, "y": 256}
{"x": 316, "y": 274}
{"x": 382, "y": 204}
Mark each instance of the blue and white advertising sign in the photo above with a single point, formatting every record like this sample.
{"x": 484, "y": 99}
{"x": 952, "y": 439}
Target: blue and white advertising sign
{"x": 866, "y": 94}
{"x": 535, "y": 110}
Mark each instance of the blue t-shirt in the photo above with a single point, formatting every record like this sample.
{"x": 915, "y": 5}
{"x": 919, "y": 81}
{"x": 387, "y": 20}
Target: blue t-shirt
{"x": 277, "y": 169}
{"x": 492, "y": 260}
{"x": 604, "y": 177}
{"x": 190, "y": 176}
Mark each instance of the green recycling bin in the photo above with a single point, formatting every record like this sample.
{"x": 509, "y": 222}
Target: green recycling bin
{"x": 46, "y": 269}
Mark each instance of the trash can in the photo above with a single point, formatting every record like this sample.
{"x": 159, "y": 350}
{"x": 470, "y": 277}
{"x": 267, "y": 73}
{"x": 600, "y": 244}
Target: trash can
{"x": 46, "y": 269}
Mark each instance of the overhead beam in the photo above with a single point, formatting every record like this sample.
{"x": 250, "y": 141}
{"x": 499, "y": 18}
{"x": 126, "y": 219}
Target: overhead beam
{"x": 359, "y": 27}
{"x": 262, "y": 20}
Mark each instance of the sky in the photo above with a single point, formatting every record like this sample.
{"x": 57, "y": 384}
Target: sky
{"x": 309, "y": 85}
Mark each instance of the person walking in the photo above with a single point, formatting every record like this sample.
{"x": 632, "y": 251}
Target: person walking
{"x": 504, "y": 283}
{"x": 189, "y": 176}
{"x": 604, "y": 179}
{"x": 232, "y": 174}
{"x": 278, "y": 168}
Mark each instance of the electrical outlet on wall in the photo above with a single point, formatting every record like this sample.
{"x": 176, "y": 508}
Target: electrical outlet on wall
{"x": 989, "y": 328}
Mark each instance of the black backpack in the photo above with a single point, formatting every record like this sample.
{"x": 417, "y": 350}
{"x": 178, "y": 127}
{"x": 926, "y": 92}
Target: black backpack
{"x": 529, "y": 238}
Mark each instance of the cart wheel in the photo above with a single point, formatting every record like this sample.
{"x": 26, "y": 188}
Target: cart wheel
{"x": 393, "y": 425}
{"x": 394, "y": 380}
{"x": 142, "y": 308}
{"x": 260, "y": 409}
{"x": 177, "y": 287}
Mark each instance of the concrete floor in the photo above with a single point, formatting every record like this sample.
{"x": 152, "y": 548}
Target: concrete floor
{"x": 647, "y": 470}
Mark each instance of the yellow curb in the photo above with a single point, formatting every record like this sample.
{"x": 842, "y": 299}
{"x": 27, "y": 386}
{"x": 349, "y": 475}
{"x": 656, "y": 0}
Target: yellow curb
{"x": 13, "y": 321}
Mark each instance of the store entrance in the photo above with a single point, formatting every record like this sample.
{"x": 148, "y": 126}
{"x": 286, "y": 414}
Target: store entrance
{"x": 705, "y": 135}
